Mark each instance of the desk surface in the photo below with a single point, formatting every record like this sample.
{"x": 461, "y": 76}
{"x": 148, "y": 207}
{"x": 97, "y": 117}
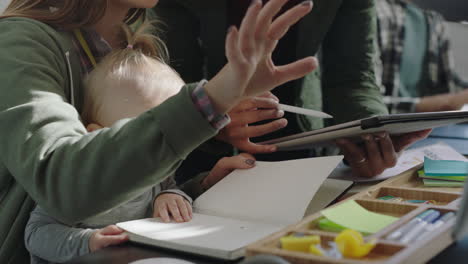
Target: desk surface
{"x": 131, "y": 252}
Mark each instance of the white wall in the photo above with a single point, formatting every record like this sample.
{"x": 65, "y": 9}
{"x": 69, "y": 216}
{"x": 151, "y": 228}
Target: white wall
{"x": 3, "y": 4}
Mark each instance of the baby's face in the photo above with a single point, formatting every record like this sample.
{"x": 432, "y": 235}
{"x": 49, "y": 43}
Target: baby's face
{"x": 130, "y": 98}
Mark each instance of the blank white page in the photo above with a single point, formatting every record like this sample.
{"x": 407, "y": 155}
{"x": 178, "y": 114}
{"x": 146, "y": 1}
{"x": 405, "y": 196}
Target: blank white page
{"x": 204, "y": 234}
{"x": 271, "y": 192}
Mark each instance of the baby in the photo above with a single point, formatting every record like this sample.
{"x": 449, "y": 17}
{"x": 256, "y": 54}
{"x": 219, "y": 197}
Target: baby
{"x": 125, "y": 84}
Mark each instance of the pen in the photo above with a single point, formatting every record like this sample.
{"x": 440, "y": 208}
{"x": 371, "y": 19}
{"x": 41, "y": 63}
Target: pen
{"x": 405, "y": 228}
{"x": 442, "y": 220}
{"x": 419, "y": 227}
{"x": 303, "y": 111}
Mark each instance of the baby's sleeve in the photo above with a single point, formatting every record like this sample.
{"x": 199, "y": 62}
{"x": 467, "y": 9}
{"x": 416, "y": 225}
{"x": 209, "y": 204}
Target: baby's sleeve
{"x": 51, "y": 240}
{"x": 170, "y": 186}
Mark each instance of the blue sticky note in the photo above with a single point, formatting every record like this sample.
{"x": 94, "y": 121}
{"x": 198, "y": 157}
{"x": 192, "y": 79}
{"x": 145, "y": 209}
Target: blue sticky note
{"x": 445, "y": 167}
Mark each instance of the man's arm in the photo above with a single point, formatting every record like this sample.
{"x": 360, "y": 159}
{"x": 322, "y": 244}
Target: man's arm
{"x": 351, "y": 91}
{"x": 349, "y": 82}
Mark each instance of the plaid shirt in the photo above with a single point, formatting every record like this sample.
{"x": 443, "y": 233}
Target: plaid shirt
{"x": 100, "y": 48}
{"x": 439, "y": 61}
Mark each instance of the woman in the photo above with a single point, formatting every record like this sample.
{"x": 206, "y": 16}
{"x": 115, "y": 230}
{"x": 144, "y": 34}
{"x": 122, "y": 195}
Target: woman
{"x": 46, "y": 154}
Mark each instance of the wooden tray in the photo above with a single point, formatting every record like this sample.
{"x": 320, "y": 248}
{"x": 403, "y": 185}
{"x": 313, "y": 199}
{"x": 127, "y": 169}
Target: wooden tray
{"x": 407, "y": 186}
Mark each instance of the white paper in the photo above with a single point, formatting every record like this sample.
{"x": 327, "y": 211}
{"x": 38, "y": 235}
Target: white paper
{"x": 271, "y": 192}
{"x": 204, "y": 234}
{"x": 409, "y": 159}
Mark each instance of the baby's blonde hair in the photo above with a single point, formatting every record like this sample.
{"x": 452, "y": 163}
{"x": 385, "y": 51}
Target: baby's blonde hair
{"x": 141, "y": 60}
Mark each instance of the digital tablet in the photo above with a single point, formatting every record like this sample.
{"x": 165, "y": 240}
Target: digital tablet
{"x": 394, "y": 124}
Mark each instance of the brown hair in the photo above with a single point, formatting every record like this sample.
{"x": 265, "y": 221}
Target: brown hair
{"x": 68, "y": 14}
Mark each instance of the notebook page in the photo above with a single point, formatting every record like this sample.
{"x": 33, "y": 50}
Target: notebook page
{"x": 271, "y": 192}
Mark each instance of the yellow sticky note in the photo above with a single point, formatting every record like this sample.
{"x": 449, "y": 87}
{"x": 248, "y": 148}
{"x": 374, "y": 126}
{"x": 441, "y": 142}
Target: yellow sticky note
{"x": 353, "y": 216}
{"x": 301, "y": 244}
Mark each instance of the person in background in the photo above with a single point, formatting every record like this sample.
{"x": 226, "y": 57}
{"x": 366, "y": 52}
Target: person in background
{"x": 342, "y": 32}
{"x": 416, "y": 65}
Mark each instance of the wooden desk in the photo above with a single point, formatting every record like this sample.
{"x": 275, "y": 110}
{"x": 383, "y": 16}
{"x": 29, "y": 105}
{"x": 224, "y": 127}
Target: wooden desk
{"x": 131, "y": 252}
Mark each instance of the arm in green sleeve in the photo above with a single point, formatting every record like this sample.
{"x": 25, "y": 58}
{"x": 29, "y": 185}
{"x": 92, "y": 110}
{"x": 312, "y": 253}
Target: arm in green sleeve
{"x": 349, "y": 82}
{"x": 70, "y": 173}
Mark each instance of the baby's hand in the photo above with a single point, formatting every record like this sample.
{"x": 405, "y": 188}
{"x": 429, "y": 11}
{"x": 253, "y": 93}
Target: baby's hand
{"x": 225, "y": 166}
{"x": 175, "y": 205}
{"x": 107, "y": 236}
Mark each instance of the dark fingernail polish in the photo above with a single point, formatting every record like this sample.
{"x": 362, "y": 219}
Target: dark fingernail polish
{"x": 250, "y": 162}
{"x": 307, "y": 3}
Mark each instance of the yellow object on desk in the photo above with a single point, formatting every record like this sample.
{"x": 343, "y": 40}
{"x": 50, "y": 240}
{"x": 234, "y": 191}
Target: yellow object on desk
{"x": 299, "y": 243}
{"x": 351, "y": 244}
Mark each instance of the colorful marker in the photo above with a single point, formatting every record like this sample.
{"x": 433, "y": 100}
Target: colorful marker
{"x": 395, "y": 235}
{"x": 419, "y": 228}
{"x": 442, "y": 220}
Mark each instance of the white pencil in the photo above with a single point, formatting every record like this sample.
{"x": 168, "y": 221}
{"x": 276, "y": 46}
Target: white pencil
{"x": 303, "y": 111}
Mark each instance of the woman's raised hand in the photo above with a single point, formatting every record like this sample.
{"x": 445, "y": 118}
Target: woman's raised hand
{"x": 250, "y": 70}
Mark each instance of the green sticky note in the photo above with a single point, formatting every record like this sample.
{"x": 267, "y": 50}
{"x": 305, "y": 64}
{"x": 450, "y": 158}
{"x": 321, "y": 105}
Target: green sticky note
{"x": 353, "y": 216}
{"x": 326, "y": 225}
{"x": 439, "y": 183}
{"x": 445, "y": 167}
{"x": 422, "y": 175}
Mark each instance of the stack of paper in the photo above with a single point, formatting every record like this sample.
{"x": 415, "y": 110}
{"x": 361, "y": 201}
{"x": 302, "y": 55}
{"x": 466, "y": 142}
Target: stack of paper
{"x": 444, "y": 173}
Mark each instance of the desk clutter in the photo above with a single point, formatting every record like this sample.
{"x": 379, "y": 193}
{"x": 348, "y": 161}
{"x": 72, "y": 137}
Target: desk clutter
{"x": 401, "y": 220}
{"x": 444, "y": 173}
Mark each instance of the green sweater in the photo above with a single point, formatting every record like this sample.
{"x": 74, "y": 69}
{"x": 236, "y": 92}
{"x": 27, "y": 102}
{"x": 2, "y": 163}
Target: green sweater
{"x": 46, "y": 155}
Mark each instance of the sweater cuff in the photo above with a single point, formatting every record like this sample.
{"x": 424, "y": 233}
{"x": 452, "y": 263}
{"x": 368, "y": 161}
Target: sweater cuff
{"x": 205, "y": 106}
{"x": 87, "y": 234}
{"x": 176, "y": 191}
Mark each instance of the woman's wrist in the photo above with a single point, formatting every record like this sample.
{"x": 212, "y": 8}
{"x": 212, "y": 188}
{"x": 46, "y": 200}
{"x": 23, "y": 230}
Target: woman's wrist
{"x": 222, "y": 96}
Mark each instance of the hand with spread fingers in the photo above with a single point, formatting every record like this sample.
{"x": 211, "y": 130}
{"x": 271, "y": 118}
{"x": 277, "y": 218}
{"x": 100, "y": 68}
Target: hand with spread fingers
{"x": 378, "y": 152}
{"x": 250, "y": 70}
{"x": 252, "y": 110}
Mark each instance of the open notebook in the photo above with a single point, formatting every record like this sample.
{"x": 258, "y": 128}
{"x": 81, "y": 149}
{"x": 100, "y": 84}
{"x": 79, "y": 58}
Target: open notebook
{"x": 245, "y": 206}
